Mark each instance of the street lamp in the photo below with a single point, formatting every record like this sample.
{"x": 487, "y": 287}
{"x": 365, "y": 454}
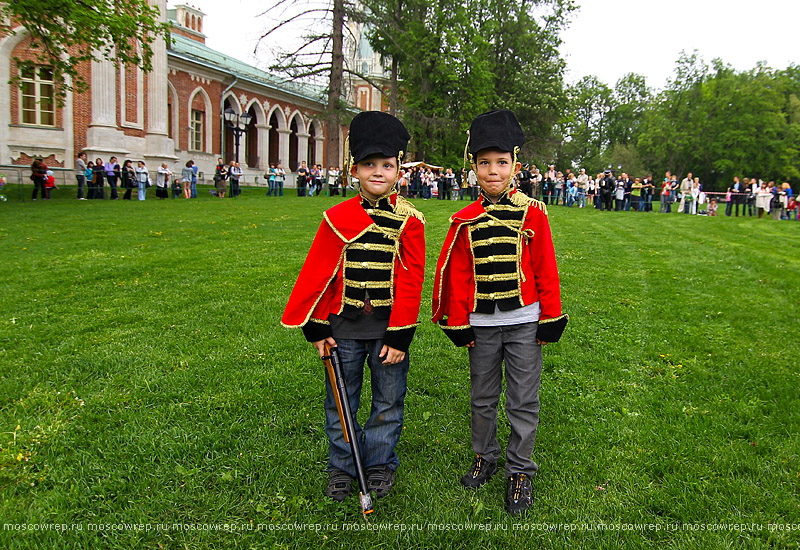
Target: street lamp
{"x": 238, "y": 124}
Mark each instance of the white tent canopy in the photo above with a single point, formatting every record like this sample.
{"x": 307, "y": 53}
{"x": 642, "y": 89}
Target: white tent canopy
{"x": 422, "y": 164}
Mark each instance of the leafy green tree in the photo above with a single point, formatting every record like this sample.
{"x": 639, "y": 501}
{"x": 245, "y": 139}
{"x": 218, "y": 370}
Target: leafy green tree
{"x": 66, "y": 33}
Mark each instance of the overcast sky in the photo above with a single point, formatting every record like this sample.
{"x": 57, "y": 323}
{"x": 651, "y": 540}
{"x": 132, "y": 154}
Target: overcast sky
{"x": 606, "y": 38}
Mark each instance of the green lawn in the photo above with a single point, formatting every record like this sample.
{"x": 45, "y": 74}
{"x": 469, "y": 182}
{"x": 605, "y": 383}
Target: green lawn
{"x": 145, "y": 379}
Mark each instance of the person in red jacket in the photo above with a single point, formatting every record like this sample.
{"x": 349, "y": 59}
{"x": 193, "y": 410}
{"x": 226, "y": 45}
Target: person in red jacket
{"x": 497, "y": 293}
{"x": 359, "y": 290}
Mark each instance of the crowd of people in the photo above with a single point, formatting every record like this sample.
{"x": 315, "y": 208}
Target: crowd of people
{"x": 605, "y": 191}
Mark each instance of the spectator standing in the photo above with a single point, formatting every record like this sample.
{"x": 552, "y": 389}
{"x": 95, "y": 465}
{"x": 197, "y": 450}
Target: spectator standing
{"x": 303, "y": 174}
{"x": 559, "y": 188}
{"x": 162, "y": 181}
{"x": 333, "y": 181}
{"x": 472, "y": 180}
{"x": 269, "y": 175}
{"x": 39, "y": 177}
{"x": 583, "y": 183}
{"x": 752, "y": 192}
{"x": 128, "y": 175}
{"x": 234, "y": 175}
{"x": 112, "y": 169}
{"x": 732, "y": 197}
{"x": 636, "y": 195}
{"x": 591, "y": 191}
{"x": 98, "y": 175}
{"x": 142, "y": 179}
{"x": 80, "y": 174}
{"x": 763, "y": 197}
{"x": 89, "y": 174}
{"x": 686, "y": 191}
{"x": 607, "y": 187}
{"x": 695, "y": 194}
{"x": 280, "y": 177}
{"x": 666, "y": 207}
{"x": 195, "y": 171}
{"x": 186, "y": 179}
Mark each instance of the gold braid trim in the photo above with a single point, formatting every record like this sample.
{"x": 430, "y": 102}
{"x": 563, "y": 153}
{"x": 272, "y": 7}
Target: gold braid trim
{"x": 359, "y": 304}
{"x": 372, "y": 246}
{"x": 383, "y": 266}
{"x": 459, "y": 327}
{"x": 495, "y": 240}
{"x": 367, "y": 284}
{"x": 390, "y": 329}
{"x": 554, "y": 319}
{"x": 496, "y": 277}
{"x": 497, "y": 295}
{"x": 496, "y": 259}
{"x": 406, "y": 208}
{"x": 521, "y": 199}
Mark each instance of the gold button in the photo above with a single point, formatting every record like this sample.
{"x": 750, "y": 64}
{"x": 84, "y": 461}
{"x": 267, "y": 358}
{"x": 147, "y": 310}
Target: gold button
{"x": 491, "y": 277}
{"x": 363, "y": 284}
{"x": 491, "y": 295}
{"x": 491, "y": 241}
{"x": 366, "y": 246}
{"x": 364, "y": 264}
{"x": 491, "y": 258}
{"x": 369, "y": 210}
{"x": 491, "y": 222}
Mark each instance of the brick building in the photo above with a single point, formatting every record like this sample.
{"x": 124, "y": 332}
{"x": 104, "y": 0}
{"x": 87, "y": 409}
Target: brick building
{"x": 171, "y": 114}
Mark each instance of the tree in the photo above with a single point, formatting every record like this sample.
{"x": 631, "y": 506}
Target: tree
{"x": 320, "y": 53}
{"x": 66, "y": 33}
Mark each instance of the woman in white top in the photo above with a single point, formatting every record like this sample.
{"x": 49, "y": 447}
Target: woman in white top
{"x": 142, "y": 178}
{"x": 695, "y": 192}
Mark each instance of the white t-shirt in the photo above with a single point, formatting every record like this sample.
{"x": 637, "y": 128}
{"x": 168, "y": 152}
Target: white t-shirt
{"x": 519, "y": 316}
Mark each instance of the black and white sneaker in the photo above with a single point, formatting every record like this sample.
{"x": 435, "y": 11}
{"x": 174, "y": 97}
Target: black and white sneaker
{"x": 338, "y": 485}
{"x": 380, "y": 480}
{"x": 520, "y": 494}
{"x": 479, "y": 473}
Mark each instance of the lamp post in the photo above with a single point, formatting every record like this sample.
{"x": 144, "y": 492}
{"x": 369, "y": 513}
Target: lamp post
{"x": 238, "y": 125}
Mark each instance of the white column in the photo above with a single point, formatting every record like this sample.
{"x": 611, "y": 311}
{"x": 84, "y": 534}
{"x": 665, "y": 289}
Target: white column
{"x": 157, "y": 89}
{"x": 302, "y": 147}
{"x": 263, "y": 145}
{"x": 104, "y": 93}
{"x": 283, "y": 156}
{"x": 319, "y": 146}
{"x": 159, "y": 146}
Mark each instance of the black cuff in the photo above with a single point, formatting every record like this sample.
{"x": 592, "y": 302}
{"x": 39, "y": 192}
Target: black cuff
{"x": 550, "y": 330}
{"x": 399, "y": 339}
{"x": 314, "y": 330}
{"x": 461, "y": 336}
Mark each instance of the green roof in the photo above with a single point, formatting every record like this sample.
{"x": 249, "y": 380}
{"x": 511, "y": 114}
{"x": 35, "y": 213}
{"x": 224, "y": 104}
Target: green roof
{"x": 194, "y": 51}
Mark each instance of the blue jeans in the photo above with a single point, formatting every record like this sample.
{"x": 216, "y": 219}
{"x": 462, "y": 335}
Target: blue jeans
{"x": 142, "y": 190}
{"x": 581, "y": 199}
{"x": 272, "y": 188}
{"x": 379, "y": 436}
{"x": 193, "y": 190}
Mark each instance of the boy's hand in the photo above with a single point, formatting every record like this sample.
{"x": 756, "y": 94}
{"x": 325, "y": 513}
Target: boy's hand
{"x": 470, "y": 345}
{"x": 320, "y": 345}
{"x": 541, "y": 342}
{"x": 393, "y": 356}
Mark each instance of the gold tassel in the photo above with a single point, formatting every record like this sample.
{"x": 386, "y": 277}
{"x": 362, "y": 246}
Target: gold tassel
{"x": 466, "y": 153}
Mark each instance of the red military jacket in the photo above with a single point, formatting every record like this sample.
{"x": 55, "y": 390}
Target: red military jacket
{"x": 498, "y": 255}
{"x": 379, "y": 247}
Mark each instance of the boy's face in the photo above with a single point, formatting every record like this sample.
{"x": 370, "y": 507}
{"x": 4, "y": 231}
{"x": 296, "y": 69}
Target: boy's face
{"x": 377, "y": 175}
{"x": 494, "y": 170}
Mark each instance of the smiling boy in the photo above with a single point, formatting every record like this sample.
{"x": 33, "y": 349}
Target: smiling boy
{"x": 497, "y": 293}
{"x": 359, "y": 290}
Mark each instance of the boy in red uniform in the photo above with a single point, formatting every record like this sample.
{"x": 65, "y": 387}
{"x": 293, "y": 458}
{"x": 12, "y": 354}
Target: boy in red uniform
{"x": 497, "y": 293}
{"x": 359, "y": 290}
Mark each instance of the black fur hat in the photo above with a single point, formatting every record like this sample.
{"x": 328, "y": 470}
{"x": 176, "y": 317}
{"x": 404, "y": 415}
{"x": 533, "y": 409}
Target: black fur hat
{"x": 496, "y": 129}
{"x": 377, "y": 133}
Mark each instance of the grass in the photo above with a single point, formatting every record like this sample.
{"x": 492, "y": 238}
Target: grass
{"x": 146, "y": 380}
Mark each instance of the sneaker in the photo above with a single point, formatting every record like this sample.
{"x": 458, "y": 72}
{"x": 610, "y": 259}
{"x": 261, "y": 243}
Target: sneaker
{"x": 338, "y": 485}
{"x": 380, "y": 480}
{"x": 480, "y": 472}
{"x": 520, "y": 494}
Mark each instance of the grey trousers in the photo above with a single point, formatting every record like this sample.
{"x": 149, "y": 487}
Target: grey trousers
{"x": 514, "y": 345}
